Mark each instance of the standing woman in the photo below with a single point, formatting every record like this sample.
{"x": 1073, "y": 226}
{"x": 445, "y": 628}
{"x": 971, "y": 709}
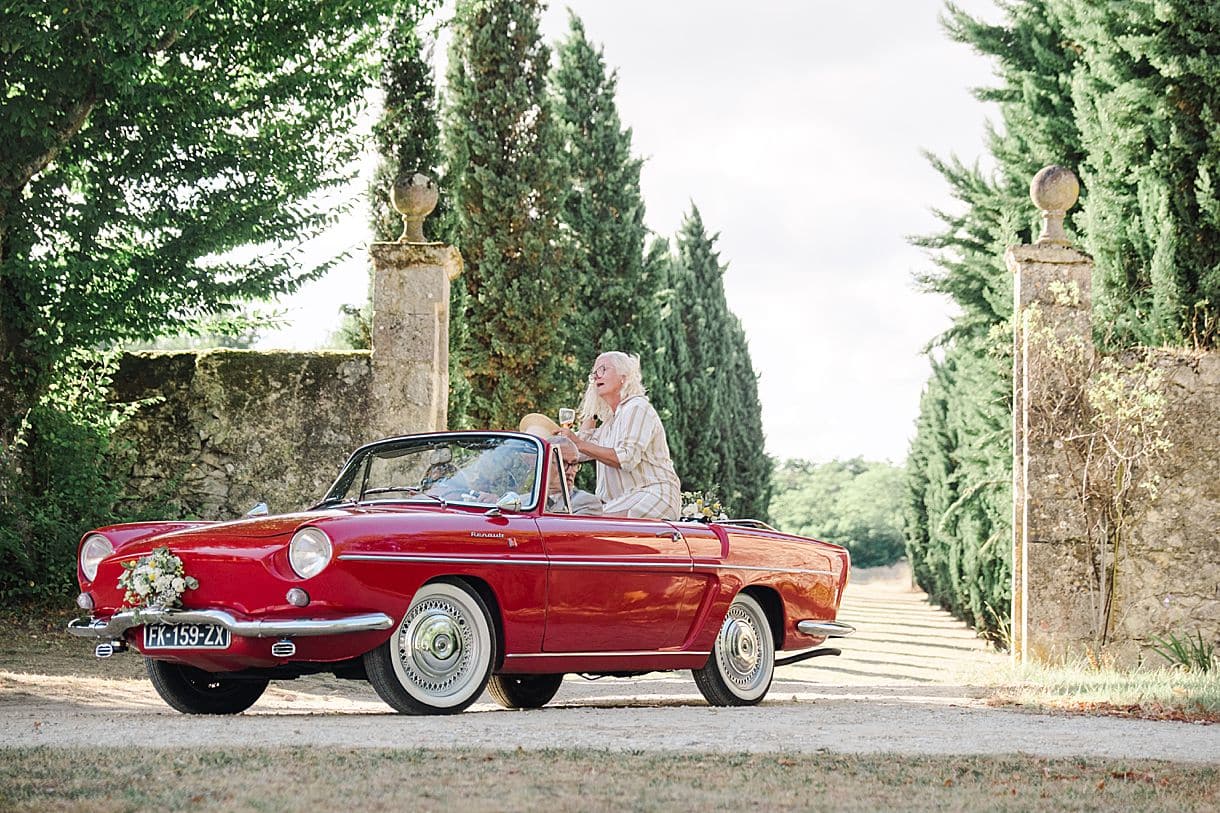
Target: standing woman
{"x": 635, "y": 476}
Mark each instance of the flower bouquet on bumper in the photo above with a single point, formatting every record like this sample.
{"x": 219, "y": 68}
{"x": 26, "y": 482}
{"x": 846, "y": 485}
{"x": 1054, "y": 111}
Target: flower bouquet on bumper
{"x": 155, "y": 580}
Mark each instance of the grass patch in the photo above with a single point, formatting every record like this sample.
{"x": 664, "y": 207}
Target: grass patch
{"x": 1163, "y": 693}
{"x": 471, "y": 780}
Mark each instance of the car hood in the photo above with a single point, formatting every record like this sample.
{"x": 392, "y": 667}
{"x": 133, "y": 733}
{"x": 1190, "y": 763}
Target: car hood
{"x": 251, "y": 527}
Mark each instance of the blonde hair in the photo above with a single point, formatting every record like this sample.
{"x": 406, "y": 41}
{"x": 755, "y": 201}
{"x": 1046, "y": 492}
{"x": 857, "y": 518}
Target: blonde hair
{"x": 628, "y": 366}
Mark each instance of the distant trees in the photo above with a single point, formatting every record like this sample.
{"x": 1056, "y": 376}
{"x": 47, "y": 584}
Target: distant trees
{"x": 854, "y": 503}
{"x": 1123, "y": 94}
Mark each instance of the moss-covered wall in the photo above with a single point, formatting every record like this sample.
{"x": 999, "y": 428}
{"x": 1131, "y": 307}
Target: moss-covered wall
{"x": 223, "y": 429}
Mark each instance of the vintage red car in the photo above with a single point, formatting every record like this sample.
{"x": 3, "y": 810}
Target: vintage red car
{"x": 442, "y": 564}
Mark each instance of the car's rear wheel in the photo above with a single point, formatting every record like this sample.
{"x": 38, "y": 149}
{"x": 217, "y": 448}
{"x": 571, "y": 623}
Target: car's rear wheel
{"x": 523, "y": 691}
{"x": 742, "y": 663}
{"x": 194, "y": 691}
{"x": 439, "y": 658}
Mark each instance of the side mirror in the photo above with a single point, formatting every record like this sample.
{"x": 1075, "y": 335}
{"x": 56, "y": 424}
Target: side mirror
{"x": 509, "y": 502}
{"x": 259, "y": 510}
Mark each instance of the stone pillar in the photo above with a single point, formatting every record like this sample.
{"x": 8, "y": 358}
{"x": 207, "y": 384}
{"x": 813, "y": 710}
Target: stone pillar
{"x": 410, "y": 359}
{"x": 1050, "y": 600}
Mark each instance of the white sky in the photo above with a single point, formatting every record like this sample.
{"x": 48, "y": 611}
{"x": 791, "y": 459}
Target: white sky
{"x": 797, "y": 130}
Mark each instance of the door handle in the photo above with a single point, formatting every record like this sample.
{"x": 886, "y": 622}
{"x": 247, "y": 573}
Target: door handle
{"x": 676, "y": 536}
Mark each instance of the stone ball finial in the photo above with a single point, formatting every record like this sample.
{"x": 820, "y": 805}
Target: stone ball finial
{"x": 414, "y": 195}
{"x": 1054, "y": 190}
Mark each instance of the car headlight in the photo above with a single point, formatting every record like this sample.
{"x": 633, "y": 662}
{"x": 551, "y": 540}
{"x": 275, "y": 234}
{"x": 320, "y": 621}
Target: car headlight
{"x": 309, "y": 552}
{"x": 95, "y": 549}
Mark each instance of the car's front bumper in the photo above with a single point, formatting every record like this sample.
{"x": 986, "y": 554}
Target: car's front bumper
{"x": 114, "y": 627}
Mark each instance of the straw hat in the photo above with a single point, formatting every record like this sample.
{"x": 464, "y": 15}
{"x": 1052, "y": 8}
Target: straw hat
{"x": 538, "y": 424}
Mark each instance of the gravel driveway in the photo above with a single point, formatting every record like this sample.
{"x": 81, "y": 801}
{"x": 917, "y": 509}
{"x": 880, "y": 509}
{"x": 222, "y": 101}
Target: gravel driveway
{"x": 902, "y": 685}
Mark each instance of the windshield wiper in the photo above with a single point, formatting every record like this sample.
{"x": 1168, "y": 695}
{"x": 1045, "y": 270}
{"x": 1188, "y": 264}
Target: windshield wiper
{"x": 414, "y": 491}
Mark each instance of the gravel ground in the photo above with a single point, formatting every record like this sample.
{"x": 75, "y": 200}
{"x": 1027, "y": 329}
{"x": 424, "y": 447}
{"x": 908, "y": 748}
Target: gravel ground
{"x": 903, "y": 685}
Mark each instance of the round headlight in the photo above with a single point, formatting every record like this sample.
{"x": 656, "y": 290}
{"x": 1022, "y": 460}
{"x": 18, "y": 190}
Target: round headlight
{"x": 95, "y": 549}
{"x": 309, "y": 552}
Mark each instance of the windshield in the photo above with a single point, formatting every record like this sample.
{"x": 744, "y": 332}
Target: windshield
{"x": 464, "y": 469}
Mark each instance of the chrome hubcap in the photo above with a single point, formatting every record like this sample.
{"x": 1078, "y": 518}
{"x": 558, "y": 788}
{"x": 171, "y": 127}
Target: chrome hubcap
{"x": 741, "y": 645}
{"x": 741, "y": 651}
{"x": 435, "y": 645}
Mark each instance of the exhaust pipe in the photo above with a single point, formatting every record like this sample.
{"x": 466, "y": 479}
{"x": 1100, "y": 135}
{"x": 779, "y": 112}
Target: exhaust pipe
{"x": 807, "y": 654}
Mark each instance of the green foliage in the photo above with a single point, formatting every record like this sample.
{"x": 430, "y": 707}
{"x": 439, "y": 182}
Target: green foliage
{"x": 1126, "y": 94}
{"x": 1145, "y": 94}
{"x": 708, "y": 392}
{"x": 603, "y": 213}
{"x": 57, "y": 478}
{"x": 407, "y": 135}
{"x": 507, "y": 181}
{"x": 1186, "y": 653}
{"x": 141, "y": 140}
{"x": 854, "y": 503}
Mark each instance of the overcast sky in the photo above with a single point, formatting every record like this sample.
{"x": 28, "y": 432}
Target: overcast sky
{"x": 797, "y": 129}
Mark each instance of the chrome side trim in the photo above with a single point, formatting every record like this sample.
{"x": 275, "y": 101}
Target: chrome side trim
{"x": 710, "y": 566}
{"x": 830, "y": 629}
{"x": 447, "y": 560}
{"x": 122, "y": 621}
{"x": 636, "y": 654}
{"x": 641, "y": 562}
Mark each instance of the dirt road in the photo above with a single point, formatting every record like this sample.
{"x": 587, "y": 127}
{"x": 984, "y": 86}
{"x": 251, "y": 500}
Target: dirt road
{"x": 903, "y": 685}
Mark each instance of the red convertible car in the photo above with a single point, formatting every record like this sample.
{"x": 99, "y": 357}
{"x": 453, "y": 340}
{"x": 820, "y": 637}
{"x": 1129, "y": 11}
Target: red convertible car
{"x": 442, "y": 564}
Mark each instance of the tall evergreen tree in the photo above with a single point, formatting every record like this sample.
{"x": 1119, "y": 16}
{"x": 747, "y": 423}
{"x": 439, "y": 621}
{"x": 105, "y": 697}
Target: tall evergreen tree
{"x": 959, "y": 469}
{"x": 715, "y": 422}
{"x": 1126, "y": 94}
{"x": 407, "y": 140}
{"x": 507, "y": 181}
{"x": 604, "y": 212}
{"x": 407, "y": 136}
{"x": 1146, "y": 97}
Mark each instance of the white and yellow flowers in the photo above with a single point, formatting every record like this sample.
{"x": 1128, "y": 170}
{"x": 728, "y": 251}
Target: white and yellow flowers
{"x": 703, "y": 507}
{"x": 155, "y": 580}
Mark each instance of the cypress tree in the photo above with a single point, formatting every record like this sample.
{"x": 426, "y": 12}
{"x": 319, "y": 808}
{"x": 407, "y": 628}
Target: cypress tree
{"x": 715, "y": 425}
{"x": 507, "y": 183}
{"x": 604, "y": 212}
{"x": 1146, "y": 96}
{"x": 959, "y": 470}
{"x": 407, "y": 136}
{"x": 407, "y": 140}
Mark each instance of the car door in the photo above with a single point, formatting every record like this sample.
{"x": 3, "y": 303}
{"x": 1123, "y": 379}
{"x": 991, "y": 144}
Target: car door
{"x": 616, "y": 584}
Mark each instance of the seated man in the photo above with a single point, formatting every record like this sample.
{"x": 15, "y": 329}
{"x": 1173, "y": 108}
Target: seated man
{"x": 582, "y": 502}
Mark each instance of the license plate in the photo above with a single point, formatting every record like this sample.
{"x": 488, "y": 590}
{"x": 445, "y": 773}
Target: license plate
{"x": 185, "y": 636}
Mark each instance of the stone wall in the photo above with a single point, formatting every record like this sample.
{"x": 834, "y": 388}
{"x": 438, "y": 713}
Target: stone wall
{"x": 1167, "y": 579}
{"x": 221, "y": 430}
{"x": 1171, "y": 581}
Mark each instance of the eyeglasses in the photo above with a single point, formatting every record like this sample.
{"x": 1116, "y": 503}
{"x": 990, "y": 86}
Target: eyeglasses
{"x": 599, "y": 371}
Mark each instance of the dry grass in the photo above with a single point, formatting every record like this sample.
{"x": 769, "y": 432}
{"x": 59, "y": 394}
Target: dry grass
{"x": 372, "y": 780}
{"x": 1160, "y": 694}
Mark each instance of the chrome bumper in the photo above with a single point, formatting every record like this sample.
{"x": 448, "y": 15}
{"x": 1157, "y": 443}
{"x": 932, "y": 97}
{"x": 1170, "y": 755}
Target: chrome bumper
{"x": 828, "y": 629}
{"x": 289, "y": 627}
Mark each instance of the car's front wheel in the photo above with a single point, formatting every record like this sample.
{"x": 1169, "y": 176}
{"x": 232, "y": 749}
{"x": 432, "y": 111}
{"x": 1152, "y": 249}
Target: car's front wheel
{"x": 439, "y": 658}
{"x": 523, "y": 691}
{"x": 194, "y": 691}
{"x": 742, "y": 663}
